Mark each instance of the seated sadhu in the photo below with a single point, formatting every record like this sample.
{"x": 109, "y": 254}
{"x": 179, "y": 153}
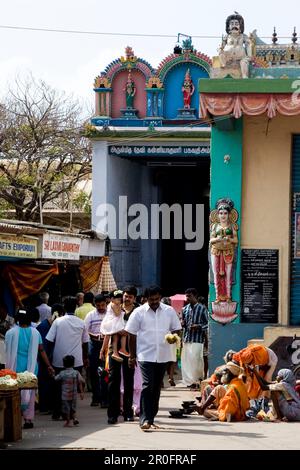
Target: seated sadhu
{"x": 262, "y": 357}
{"x": 213, "y": 381}
{"x": 230, "y": 399}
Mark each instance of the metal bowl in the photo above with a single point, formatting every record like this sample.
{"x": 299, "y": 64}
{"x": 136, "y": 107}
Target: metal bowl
{"x": 177, "y": 413}
{"x": 189, "y": 409}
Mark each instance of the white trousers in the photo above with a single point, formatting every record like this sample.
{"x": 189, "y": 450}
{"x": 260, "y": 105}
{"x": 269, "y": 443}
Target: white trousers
{"x": 192, "y": 364}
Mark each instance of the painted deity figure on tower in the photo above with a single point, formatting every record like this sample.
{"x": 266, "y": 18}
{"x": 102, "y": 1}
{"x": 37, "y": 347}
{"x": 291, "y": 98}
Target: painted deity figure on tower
{"x": 130, "y": 90}
{"x": 223, "y": 242}
{"x": 187, "y": 90}
{"x": 236, "y": 47}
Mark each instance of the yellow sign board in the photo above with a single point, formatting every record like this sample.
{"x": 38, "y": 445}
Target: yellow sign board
{"x": 18, "y": 247}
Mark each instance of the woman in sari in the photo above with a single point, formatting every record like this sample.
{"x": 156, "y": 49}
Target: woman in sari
{"x": 285, "y": 399}
{"x": 22, "y": 345}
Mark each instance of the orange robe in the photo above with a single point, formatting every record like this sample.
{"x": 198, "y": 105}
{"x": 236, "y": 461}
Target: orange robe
{"x": 235, "y": 402}
{"x": 256, "y": 355}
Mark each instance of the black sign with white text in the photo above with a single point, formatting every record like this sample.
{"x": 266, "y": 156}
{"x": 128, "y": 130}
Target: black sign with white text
{"x": 159, "y": 150}
{"x": 259, "y": 280}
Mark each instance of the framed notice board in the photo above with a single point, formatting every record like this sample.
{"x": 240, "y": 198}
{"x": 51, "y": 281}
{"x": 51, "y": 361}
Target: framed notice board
{"x": 259, "y": 284}
{"x": 297, "y": 236}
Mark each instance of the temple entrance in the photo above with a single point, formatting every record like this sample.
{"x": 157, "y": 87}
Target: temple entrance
{"x": 181, "y": 268}
{"x": 142, "y": 254}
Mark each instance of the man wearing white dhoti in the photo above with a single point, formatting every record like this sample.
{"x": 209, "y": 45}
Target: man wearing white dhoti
{"x": 194, "y": 323}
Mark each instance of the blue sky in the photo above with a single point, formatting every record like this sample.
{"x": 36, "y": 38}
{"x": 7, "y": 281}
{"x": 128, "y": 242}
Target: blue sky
{"x": 71, "y": 61}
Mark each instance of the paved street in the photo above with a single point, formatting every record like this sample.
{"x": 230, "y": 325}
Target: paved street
{"x": 193, "y": 432}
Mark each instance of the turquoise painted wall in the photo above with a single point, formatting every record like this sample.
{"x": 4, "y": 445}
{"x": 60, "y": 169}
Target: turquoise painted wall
{"x": 231, "y": 336}
{"x": 226, "y": 181}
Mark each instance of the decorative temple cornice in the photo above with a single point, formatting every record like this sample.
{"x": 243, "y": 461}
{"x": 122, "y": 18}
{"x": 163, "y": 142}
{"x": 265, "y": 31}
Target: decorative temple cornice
{"x": 172, "y": 60}
{"x": 129, "y": 62}
{"x": 102, "y": 82}
{"x": 154, "y": 82}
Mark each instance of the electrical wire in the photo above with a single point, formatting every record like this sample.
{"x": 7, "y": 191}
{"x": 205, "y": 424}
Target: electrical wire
{"x": 100, "y": 33}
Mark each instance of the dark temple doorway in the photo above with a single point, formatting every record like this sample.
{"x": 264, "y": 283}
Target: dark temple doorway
{"x": 181, "y": 268}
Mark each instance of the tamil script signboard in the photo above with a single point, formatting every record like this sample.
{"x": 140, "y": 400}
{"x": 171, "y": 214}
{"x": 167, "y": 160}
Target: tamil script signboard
{"x": 18, "y": 247}
{"x": 259, "y": 286}
{"x": 60, "y": 247}
{"x": 159, "y": 150}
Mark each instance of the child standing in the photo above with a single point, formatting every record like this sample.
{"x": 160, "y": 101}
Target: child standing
{"x": 112, "y": 325}
{"x": 70, "y": 380}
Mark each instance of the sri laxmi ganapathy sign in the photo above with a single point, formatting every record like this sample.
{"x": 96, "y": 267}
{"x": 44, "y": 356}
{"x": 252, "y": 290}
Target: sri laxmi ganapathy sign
{"x": 60, "y": 247}
{"x": 18, "y": 247}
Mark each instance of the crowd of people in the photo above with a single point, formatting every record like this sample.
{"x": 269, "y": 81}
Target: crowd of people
{"x": 114, "y": 342}
{"x": 119, "y": 349}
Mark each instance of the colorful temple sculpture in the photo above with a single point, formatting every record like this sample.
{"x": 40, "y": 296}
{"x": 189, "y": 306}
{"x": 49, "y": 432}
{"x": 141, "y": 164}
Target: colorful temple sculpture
{"x": 131, "y": 89}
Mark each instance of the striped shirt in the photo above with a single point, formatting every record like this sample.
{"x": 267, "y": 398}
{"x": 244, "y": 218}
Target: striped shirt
{"x": 93, "y": 321}
{"x": 194, "y": 315}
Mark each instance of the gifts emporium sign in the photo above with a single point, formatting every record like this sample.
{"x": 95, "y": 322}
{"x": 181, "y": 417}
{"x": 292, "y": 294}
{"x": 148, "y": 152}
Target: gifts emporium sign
{"x": 18, "y": 247}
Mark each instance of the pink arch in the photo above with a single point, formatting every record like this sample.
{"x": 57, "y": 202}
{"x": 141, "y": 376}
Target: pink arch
{"x": 118, "y": 93}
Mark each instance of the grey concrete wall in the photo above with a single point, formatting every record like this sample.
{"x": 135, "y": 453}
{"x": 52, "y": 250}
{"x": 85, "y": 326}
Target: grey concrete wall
{"x": 99, "y": 178}
{"x": 132, "y": 261}
{"x": 124, "y": 180}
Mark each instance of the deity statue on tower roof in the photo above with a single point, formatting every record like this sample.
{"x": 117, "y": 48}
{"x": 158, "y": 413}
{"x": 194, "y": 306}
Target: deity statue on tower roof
{"x": 236, "y": 47}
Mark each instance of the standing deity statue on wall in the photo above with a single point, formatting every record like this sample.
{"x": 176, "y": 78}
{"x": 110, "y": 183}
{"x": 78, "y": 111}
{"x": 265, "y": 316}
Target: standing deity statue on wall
{"x": 236, "y": 47}
{"x": 223, "y": 241}
{"x": 130, "y": 91}
{"x": 187, "y": 90}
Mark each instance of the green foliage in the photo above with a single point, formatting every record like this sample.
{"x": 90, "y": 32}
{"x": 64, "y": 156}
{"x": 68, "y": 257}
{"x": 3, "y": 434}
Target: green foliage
{"x": 4, "y": 208}
{"x": 43, "y": 154}
{"x": 82, "y": 202}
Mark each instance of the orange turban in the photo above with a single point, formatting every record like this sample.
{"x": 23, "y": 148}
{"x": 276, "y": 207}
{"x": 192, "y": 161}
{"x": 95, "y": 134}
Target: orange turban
{"x": 246, "y": 356}
{"x": 254, "y": 354}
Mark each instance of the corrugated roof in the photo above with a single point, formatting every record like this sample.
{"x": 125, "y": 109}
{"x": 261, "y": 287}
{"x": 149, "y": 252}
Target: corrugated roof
{"x": 20, "y": 230}
{"x": 27, "y": 228}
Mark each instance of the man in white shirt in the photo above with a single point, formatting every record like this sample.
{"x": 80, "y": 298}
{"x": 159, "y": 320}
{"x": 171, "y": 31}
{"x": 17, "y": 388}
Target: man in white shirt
{"x": 93, "y": 322}
{"x": 43, "y": 308}
{"x": 147, "y": 328}
{"x": 69, "y": 335}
